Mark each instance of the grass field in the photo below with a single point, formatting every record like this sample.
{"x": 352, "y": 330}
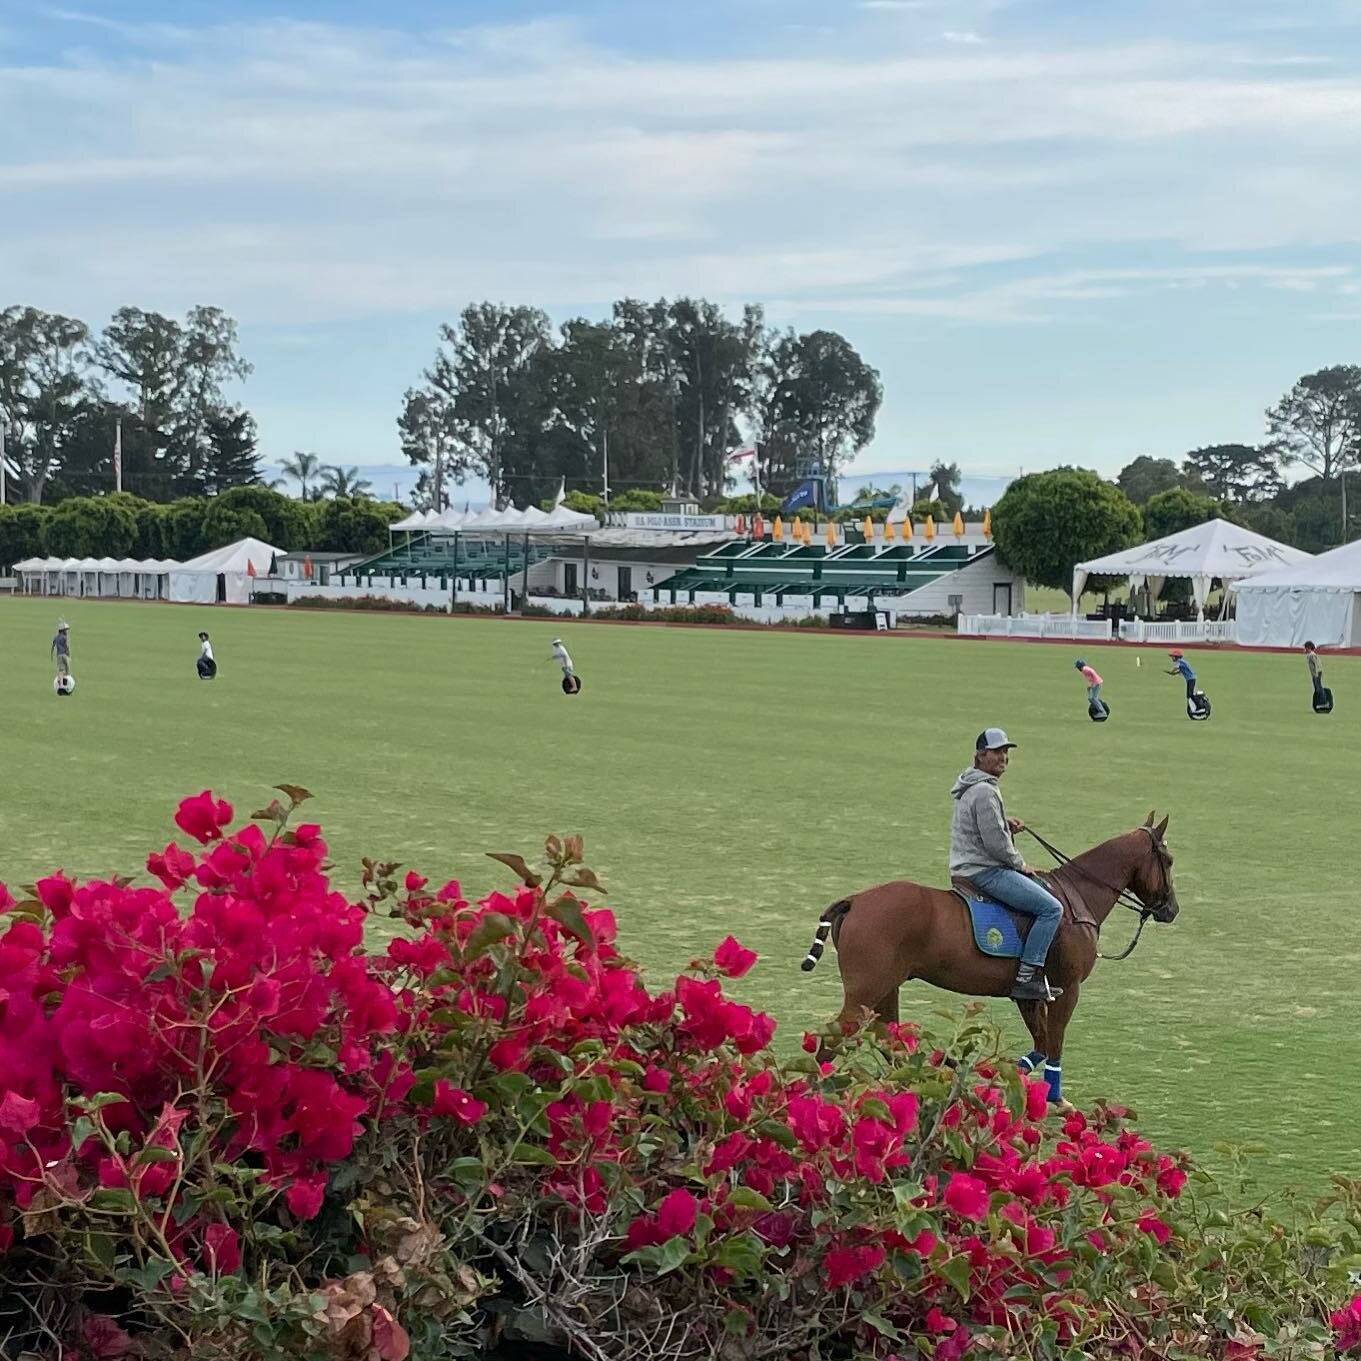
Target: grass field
{"x": 740, "y": 782}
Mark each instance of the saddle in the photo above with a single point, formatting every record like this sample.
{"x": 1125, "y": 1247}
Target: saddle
{"x": 1000, "y": 931}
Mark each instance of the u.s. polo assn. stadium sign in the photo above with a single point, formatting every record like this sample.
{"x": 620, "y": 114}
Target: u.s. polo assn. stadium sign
{"x": 650, "y": 520}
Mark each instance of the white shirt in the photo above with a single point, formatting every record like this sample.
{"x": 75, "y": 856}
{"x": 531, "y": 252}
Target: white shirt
{"x": 561, "y": 656}
{"x": 205, "y": 649}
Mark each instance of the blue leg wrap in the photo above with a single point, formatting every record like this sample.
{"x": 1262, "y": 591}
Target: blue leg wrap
{"x": 1027, "y": 1063}
{"x": 1053, "y": 1075}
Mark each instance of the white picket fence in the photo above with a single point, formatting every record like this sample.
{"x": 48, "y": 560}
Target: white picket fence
{"x": 1186, "y": 631}
{"x": 1033, "y": 626}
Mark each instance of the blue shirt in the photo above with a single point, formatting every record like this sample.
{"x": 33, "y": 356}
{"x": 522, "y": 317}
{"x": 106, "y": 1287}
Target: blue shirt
{"x": 1183, "y": 670}
{"x": 61, "y": 645}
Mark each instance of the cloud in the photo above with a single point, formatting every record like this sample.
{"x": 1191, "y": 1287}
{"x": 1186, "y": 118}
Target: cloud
{"x": 306, "y": 171}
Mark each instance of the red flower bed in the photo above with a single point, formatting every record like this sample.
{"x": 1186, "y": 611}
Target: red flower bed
{"x": 228, "y": 1130}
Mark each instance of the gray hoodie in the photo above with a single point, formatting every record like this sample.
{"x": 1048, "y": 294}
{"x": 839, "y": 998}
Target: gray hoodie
{"x": 979, "y": 839}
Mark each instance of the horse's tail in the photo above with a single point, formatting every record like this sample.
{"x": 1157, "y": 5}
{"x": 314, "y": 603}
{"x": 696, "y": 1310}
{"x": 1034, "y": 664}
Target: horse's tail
{"x": 827, "y": 923}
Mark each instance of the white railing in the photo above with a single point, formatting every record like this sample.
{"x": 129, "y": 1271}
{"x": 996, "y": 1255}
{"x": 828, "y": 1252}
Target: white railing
{"x": 1181, "y": 631}
{"x": 1033, "y": 626}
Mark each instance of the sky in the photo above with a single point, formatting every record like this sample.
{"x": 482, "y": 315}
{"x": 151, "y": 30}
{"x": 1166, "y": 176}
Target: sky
{"x": 1062, "y": 231}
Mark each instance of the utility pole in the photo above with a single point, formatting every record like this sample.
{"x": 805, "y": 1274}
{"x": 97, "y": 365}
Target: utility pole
{"x": 605, "y": 457}
{"x": 4, "y": 491}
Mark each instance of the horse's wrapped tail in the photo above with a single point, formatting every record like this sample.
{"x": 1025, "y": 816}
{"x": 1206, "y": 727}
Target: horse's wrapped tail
{"x": 826, "y": 924}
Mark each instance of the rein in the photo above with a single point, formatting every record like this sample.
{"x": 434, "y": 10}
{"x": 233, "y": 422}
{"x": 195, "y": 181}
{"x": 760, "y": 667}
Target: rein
{"x": 1123, "y": 897}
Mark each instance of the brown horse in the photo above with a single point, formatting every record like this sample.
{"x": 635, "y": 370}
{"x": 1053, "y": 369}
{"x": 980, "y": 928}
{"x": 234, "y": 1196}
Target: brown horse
{"x": 889, "y": 934}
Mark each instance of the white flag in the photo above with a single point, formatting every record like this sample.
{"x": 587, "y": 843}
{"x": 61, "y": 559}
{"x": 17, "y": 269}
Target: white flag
{"x": 562, "y": 494}
{"x": 118, "y": 456}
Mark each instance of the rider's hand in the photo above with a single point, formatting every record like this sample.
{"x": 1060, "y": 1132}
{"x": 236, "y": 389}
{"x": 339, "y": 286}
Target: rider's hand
{"x": 1027, "y": 870}
{"x": 1015, "y": 825}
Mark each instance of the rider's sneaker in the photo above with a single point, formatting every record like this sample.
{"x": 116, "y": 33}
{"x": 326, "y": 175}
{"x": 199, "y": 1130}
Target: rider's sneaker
{"x": 1032, "y": 986}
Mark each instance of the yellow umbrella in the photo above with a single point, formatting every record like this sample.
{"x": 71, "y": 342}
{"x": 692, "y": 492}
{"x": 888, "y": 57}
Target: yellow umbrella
{"x": 831, "y": 534}
{"x": 868, "y": 528}
{"x": 907, "y": 529}
{"x": 777, "y": 530}
{"x": 929, "y": 529}
{"x": 987, "y": 524}
{"x": 959, "y": 525}
{"x": 888, "y": 530}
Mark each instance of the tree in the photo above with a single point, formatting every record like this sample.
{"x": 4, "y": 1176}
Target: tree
{"x": 225, "y": 523}
{"x": 1318, "y": 424}
{"x": 428, "y": 432}
{"x": 230, "y": 456}
{"x": 287, "y": 521}
{"x": 1236, "y": 472}
{"x": 21, "y": 533}
{"x": 946, "y": 477}
{"x": 182, "y": 527}
{"x": 351, "y": 525}
{"x": 484, "y": 367}
{"x": 1046, "y": 523}
{"x": 44, "y": 385}
{"x": 1274, "y": 521}
{"x": 818, "y": 401}
{"x": 89, "y": 527}
{"x": 1169, "y": 512}
{"x": 304, "y": 469}
{"x": 1147, "y": 476}
{"x": 1315, "y": 509}
{"x": 344, "y": 482}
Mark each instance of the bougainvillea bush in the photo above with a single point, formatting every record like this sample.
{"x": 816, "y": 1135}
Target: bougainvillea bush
{"x": 229, "y": 1131}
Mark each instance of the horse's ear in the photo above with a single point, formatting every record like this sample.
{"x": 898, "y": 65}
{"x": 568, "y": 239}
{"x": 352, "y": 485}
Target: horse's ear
{"x": 1161, "y": 829}
{"x": 1148, "y": 821}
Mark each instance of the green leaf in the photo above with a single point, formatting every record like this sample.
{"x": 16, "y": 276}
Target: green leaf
{"x": 567, "y": 912}
{"x": 154, "y": 1153}
{"x": 532, "y": 1153}
{"x": 663, "y": 1258}
{"x": 295, "y": 792}
{"x": 742, "y": 1254}
{"x": 493, "y": 927}
{"x": 99, "y": 1249}
{"x": 749, "y": 1199}
{"x": 114, "y": 1199}
{"x": 956, "y": 1271}
{"x": 882, "y": 1326}
{"x": 517, "y": 863}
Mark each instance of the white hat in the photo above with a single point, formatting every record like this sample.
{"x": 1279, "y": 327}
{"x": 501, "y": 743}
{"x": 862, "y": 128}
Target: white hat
{"x": 557, "y": 642}
{"x": 992, "y": 739}
{"x": 62, "y": 624}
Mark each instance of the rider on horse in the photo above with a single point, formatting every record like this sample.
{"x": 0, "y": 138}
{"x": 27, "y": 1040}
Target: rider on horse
{"x": 981, "y": 850}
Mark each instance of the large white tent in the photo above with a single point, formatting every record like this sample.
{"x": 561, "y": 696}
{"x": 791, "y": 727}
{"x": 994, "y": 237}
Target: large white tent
{"x": 1316, "y": 601}
{"x": 224, "y": 574}
{"x": 1202, "y": 554}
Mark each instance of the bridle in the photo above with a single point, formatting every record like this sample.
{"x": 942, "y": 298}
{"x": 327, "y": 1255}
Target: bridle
{"x": 1123, "y": 896}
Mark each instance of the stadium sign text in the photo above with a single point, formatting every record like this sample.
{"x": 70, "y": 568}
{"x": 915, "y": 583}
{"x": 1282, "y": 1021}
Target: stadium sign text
{"x": 659, "y": 521}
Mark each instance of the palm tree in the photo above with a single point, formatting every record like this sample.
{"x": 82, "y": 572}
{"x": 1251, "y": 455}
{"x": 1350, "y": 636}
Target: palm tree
{"x": 344, "y": 482}
{"x": 304, "y": 468}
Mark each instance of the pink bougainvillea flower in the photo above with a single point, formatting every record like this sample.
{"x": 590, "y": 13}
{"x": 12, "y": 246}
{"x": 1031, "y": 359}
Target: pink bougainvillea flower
{"x": 1036, "y": 1100}
{"x": 1150, "y": 1224}
{"x": 454, "y": 1101}
{"x": 221, "y": 1248}
{"x": 1347, "y": 1325}
{"x": 842, "y": 1266}
{"x": 656, "y": 1079}
{"x": 203, "y": 817}
{"x": 937, "y": 1321}
{"x": 677, "y": 1213}
{"x": 18, "y": 1114}
{"x": 415, "y": 882}
{"x": 967, "y": 1197}
{"x": 305, "y": 1196}
{"x": 104, "y": 1339}
{"x": 172, "y": 866}
{"x": 733, "y": 958}
{"x": 387, "y": 1338}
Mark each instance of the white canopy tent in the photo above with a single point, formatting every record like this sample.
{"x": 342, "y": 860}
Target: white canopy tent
{"x": 1318, "y": 601}
{"x": 224, "y": 574}
{"x": 1216, "y": 549}
{"x": 125, "y": 577}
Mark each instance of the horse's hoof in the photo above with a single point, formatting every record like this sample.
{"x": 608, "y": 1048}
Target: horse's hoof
{"x": 1062, "y": 1107}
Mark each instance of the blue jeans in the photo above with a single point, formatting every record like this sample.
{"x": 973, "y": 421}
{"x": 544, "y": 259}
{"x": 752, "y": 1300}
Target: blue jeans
{"x": 1093, "y": 694}
{"x": 1026, "y": 895}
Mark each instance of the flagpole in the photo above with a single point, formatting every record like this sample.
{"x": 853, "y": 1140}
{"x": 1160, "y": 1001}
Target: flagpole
{"x": 4, "y": 490}
{"x": 118, "y": 454}
{"x": 756, "y": 475}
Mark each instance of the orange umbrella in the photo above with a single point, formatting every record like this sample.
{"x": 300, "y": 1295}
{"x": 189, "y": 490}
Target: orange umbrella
{"x": 929, "y": 528}
{"x": 987, "y": 524}
{"x": 250, "y": 568}
{"x": 907, "y": 529}
{"x": 959, "y": 525}
{"x": 742, "y": 525}
{"x": 831, "y": 534}
{"x": 758, "y": 529}
{"x": 868, "y": 529}
{"x": 307, "y": 567}
{"x": 777, "y": 530}
{"x": 888, "y": 529}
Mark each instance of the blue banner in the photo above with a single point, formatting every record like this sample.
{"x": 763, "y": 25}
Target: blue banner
{"x": 805, "y": 494}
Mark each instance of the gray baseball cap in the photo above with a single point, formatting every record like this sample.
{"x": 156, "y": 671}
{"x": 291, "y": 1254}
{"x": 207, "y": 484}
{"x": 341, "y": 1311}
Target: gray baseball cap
{"x": 992, "y": 739}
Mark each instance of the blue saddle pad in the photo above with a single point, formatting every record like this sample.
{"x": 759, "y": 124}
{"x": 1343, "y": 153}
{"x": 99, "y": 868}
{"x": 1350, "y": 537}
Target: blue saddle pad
{"x": 997, "y": 930}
